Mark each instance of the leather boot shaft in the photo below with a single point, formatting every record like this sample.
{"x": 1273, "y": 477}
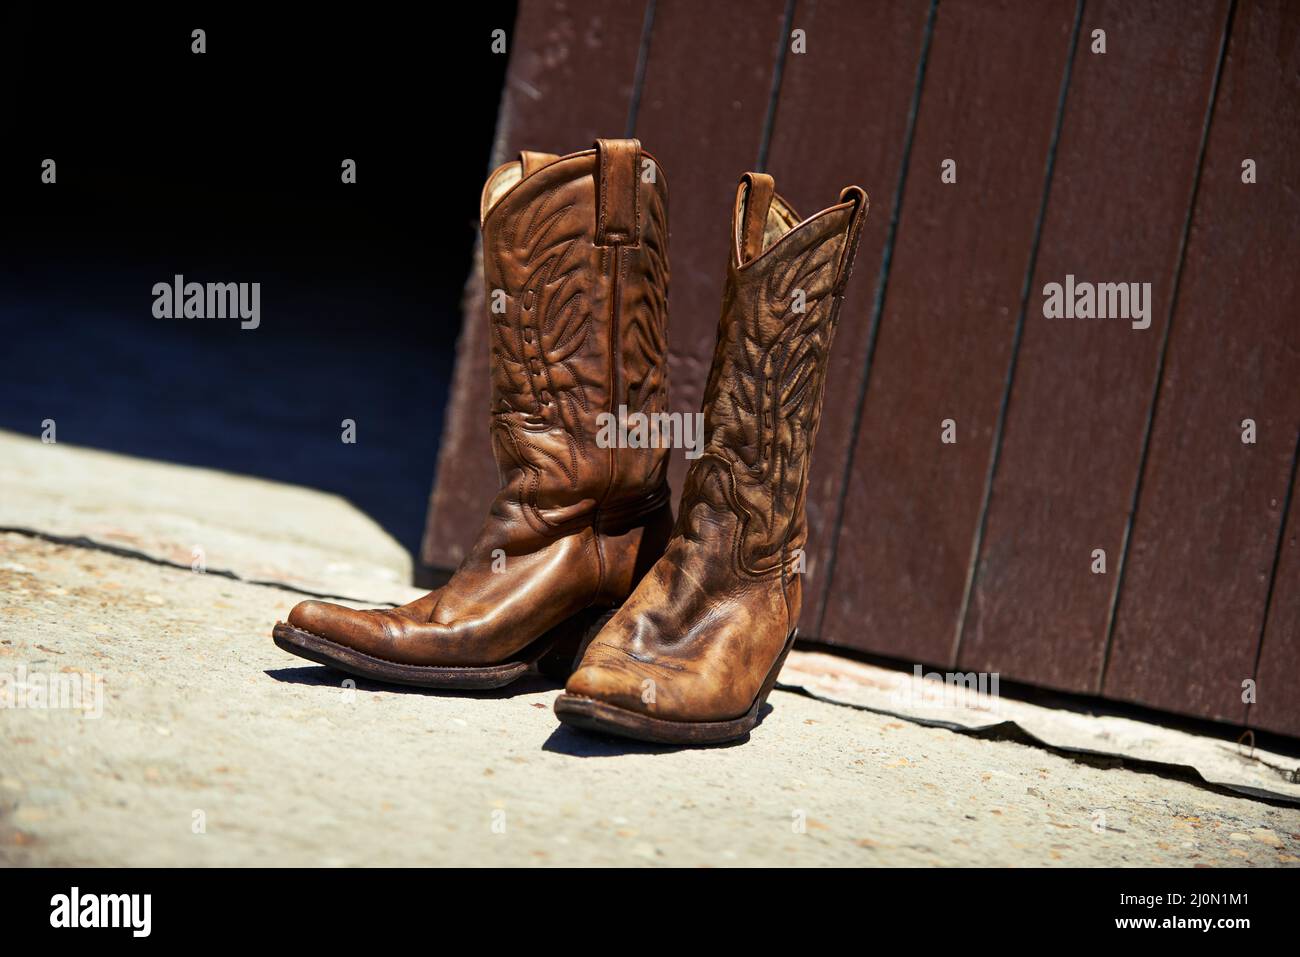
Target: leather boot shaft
{"x": 575, "y": 262}
{"x": 696, "y": 648}
{"x": 763, "y": 400}
{"x": 576, "y": 271}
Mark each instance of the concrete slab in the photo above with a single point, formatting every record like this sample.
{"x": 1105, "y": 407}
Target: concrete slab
{"x": 257, "y": 529}
{"x": 214, "y": 747}
{"x": 956, "y": 699}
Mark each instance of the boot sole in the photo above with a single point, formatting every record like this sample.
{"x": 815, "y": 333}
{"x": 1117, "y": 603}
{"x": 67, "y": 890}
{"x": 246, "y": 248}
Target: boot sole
{"x": 589, "y": 714}
{"x": 554, "y": 653}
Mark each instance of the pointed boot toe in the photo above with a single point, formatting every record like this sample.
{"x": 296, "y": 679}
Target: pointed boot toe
{"x": 322, "y": 618}
{"x": 622, "y": 687}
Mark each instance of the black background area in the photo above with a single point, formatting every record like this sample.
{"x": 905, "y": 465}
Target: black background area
{"x": 225, "y": 167}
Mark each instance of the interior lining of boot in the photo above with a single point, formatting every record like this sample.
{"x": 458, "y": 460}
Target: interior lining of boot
{"x": 780, "y": 220}
{"x": 499, "y": 184}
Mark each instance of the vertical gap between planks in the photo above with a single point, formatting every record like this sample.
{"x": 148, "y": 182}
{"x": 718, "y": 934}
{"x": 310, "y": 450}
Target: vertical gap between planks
{"x": 638, "y": 75}
{"x": 769, "y": 121}
{"x": 1277, "y": 560}
{"x": 1136, "y": 497}
{"x": 959, "y": 627}
{"x": 877, "y": 309}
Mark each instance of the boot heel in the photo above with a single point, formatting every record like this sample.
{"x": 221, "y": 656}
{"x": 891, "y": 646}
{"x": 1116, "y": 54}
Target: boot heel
{"x": 569, "y": 639}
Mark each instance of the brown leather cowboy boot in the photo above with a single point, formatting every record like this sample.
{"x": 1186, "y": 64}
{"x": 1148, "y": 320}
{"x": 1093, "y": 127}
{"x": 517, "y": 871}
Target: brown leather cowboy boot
{"x": 693, "y": 653}
{"x": 575, "y": 255}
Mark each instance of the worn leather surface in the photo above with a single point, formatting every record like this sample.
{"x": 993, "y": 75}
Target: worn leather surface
{"x": 699, "y": 635}
{"x": 576, "y": 266}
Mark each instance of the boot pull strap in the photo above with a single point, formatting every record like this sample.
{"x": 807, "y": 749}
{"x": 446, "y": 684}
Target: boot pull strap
{"x": 754, "y": 196}
{"x": 530, "y": 161}
{"x": 857, "y": 216}
{"x": 618, "y": 196}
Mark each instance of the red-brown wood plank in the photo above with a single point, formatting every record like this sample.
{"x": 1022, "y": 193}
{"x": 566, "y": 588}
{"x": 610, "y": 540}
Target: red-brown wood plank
{"x": 1277, "y": 704}
{"x": 708, "y": 82}
{"x": 1080, "y": 400}
{"x": 828, "y": 134}
{"x": 1192, "y": 600}
{"x": 990, "y": 101}
{"x": 570, "y": 79}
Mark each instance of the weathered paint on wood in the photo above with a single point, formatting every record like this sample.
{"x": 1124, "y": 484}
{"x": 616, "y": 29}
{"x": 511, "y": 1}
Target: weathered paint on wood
{"x": 1082, "y": 391}
{"x": 708, "y": 81}
{"x": 842, "y": 118}
{"x": 990, "y": 101}
{"x": 570, "y": 80}
{"x": 1192, "y": 600}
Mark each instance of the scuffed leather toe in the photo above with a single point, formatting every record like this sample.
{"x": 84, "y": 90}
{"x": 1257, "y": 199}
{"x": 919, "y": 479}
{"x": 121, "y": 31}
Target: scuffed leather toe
{"x": 313, "y": 616}
{"x": 346, "y": 626}
{"x": 660, "y": 688}
{"x": 622, "y": 687}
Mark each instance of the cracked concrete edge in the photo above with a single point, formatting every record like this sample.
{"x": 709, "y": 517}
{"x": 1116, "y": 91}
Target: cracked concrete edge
{"x": 1169, "y": 752}
{"x": 81, "y": 541}
{"x": 237, "y": 526}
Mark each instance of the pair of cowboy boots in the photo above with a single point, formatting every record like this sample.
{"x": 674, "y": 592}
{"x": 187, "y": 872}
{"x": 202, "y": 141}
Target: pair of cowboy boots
{"x": 667, "y": 632}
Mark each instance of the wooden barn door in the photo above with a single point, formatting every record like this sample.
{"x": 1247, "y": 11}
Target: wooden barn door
{"x": 1079, "y": 504}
